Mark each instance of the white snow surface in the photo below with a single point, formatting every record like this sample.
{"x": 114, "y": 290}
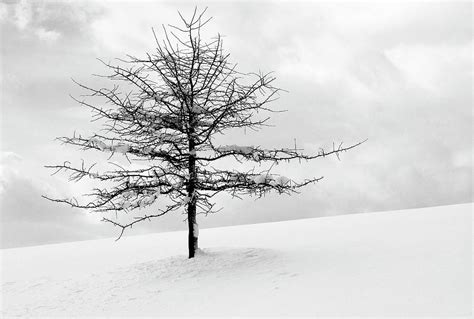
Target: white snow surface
{"x": 402, "y": 263}
{"x": 246, "y": 150}
{"x": 120, "y": 148}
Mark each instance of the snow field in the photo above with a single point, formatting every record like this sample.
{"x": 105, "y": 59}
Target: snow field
{"x": 405, "y": 264}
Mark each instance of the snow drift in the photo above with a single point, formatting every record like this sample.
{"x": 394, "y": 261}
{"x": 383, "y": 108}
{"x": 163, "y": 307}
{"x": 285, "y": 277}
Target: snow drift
{"x": 405, "y": 263}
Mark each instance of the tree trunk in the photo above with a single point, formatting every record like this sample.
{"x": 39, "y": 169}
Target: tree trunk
{"x": 192, "y": 225}
{"x": 192, "y": 229}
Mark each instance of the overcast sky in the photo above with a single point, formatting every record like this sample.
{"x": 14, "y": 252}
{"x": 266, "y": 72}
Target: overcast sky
{"x": 397, "y": 74}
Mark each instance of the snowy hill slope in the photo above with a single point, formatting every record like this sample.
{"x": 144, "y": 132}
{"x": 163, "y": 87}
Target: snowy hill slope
{"x": 404, "y": 263}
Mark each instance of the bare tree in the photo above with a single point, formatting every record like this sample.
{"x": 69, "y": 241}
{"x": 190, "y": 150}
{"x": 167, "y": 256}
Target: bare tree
{"x": 166, "y": 113}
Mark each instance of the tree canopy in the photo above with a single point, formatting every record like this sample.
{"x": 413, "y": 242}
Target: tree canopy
{"x": 164, "y": 110}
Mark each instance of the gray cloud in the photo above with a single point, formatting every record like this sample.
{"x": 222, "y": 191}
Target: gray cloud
{"x": 67, "y": 20}
{"x": 28, "y": 219}
{"x": 398, "y": 74}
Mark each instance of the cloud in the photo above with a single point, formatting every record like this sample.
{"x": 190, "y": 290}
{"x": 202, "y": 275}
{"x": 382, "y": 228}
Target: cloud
{"x": 398, "y": 74}
{"x": 9, "y": 158}
{"x": 23, "y": 14}
{"x": 28, "y": 219}
{"x": 47, "y": 35}
{"x": 50, "y": 20}
{"x": 42, "y": 42}
{"x": 388, "y": 73}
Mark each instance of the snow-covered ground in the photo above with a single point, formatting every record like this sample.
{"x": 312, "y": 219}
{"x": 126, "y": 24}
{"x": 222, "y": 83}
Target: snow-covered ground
{"x": 403, "y": 263}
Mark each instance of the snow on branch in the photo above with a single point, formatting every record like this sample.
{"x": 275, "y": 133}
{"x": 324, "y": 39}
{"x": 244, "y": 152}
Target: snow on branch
{"x": 274, "y": 155}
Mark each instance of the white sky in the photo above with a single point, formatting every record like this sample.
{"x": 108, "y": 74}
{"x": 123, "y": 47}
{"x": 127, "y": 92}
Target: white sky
{"x": 397, "y": 74}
